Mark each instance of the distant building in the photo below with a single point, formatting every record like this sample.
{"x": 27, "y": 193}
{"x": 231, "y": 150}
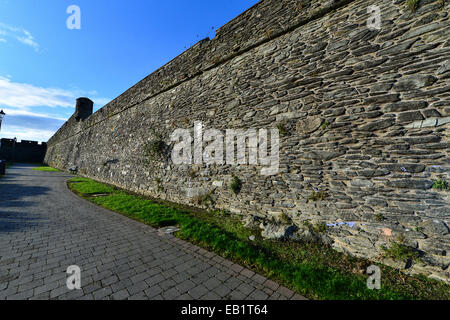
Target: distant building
{"x": 24, "y": 151}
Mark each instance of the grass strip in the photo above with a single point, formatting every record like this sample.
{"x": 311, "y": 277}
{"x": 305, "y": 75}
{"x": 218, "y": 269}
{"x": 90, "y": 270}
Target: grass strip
{"x": 47, "y": 169}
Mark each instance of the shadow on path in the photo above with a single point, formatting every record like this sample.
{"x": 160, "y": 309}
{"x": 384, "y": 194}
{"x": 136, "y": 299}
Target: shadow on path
{"x": 19, "y": 199}
{"x": 17, "y": 221}
{"x": 11, "y": 195}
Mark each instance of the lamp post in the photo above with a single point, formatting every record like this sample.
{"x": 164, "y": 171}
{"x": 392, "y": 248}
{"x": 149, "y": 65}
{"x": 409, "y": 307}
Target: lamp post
{"x": 14, "y": 150}
{"x": 2, "y": 114}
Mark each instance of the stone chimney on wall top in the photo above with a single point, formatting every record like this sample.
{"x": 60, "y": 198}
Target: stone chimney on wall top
{"x": 83, "y": 109}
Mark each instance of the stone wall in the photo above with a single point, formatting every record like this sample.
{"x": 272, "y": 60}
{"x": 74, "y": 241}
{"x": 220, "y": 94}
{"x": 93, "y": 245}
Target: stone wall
{"x": 363, "y": 117}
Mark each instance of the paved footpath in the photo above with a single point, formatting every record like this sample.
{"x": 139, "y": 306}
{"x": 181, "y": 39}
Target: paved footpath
{"x": 44, "y": 228}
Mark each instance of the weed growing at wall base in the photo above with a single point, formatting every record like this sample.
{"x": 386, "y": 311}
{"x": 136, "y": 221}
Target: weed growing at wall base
{"x": 400, "y": 252}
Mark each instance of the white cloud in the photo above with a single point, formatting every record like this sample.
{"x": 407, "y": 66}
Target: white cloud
{"x": 23, "y": 103}
{"x": 28, "y": 40}
{"x": 19, "y": 34}
{"x": 11, "y": 112}
{"x": 23, "y": 95}
{"x": 26, "y": 134}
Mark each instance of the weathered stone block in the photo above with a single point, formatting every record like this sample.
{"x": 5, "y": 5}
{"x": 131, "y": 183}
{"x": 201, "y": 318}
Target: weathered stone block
{"x": 383, "y": 98}
{"x": 277, "y": 231}
{"x": 405, "y": 117}
{"x": 308, "y": 125}
{"x": 377, "y": 125}
{"x": 434, "y": 227}
{"x": 405, "y": 106}
{"x": 414, "y": 82}
{"x": 410, "y": 184}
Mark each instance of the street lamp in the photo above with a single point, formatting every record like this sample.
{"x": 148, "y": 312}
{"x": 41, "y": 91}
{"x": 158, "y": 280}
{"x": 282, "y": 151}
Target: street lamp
{"x": 14, "y": 149}
{"x": 2, "y": 114}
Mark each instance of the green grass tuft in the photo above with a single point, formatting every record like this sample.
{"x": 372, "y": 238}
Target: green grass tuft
{"x": 325, "y": 125}
{"x": 88, "y": 187}
{"x": 412, "y": 5}
{"x": 400, "y": 252}
{"x": 441, "y": 185}
{"x": 203, "y": 199}
{"x": 236, "y": 185}
{"x": 155, "y": 149}
{"x": 316, "y": 196}
{"x": 282, "y": 128}
{"x": 379, "y": 217}
{"x": 320, "y": 227}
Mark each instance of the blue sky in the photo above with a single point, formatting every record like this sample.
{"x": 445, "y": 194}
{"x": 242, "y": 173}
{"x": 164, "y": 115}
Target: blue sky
{"x": 44, "y": 66}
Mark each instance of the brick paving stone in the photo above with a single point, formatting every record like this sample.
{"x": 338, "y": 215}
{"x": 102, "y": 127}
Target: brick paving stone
{"x": 186, "y": 285}
{"x": 298, "y": 297}
{"x": 286, "y": 292}
{"x": 247, "y": 273}
{"x": 72, "y": 295}
{"x": 233, "y": 283}
{"x": 110, "y": 280}
{"x": 122, "y": 284}
{"x": 138, "y": 278}
{"x": 222, "y": 290}
{"x": 139, "y": 296}
{"x": 274, "y": 296}
{"x": 180, "y": 277}
{"x": 211, "y": 296}
{"x": 153, "y": 291}
{"x": 41, "y": 296}
{"x": 245, "y": 289}
{"x": 236, "y": 295}
{"x": 258, "y": 295}
{"x": 157, "y": 278}
{"x": 22, "y": 295}
{"x": 138, "y": 287}
{"x": 198, "y": 291}
{"x": 120, "y": 295}
{"x": 102, "y": 293}
{"x": 91, "y": 287}
{"x": 268, "y": 291}
{"x": 58, "y": 291}
{"x": 236, "y": 268}
{"x": 272, "y": 285}
{"x": 212, "y": 283}
{"x": 171, "y": 294}
{"x": 167, "y": 284}
{"x": 119, "y": 258}
{"x": 222, "y": 276}
{"x": 259, "y": 278}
